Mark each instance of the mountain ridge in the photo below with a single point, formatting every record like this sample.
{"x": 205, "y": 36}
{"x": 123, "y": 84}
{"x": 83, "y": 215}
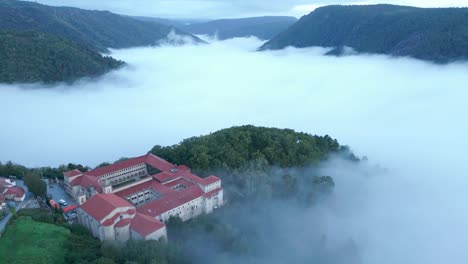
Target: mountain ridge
{"x": 40, "y": 57}
{"x": 97, "y": 30}
{"x": 433, "y": 34}
{"x": 264, "y": 27}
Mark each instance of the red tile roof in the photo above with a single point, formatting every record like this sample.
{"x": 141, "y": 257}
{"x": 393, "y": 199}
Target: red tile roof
{"x": 179, "y": 181}
{"x": 209, "y": 180}
{"x": 159, "y": 163}
{"x": 142, "y": 186}
{"x": 110, "y": 221}
{"x": 150, "y": 159}
{"x": 183, "y": 168}
{"x": 117, "y": 166}
{"x": 166, "y": 176}
{"x": 145, "y": 225}
{"x": 124, "y": 222}
{"x": 15, "y": 191}
{"x": 76, "y": 181}
{"x": 171, "y": 201}
{"x": 101, "y": 205}
{"x": 212, "y": 193}
{"x": 72, "y": 173}
{"x": 86, "y": 181}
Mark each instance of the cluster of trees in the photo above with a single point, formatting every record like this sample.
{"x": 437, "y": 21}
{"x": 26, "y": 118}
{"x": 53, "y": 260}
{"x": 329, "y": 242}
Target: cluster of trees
{"x": 435, "y": 34}
{"x": 35, "y": 184}
{"x": 233, "y": 148}
{"x": 10, "y": 169}
{"x": 34, "y": 57}
{"x": 255, "y": 162}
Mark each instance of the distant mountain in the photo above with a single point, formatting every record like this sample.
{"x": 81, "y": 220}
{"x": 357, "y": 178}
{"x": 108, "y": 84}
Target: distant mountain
{"x": 260, "y": 27}
{"x": 178, "y": 23}
{"x": 435, "y": 34}
{"x": 40, "y": 57}
{"x": 96, "y": 30}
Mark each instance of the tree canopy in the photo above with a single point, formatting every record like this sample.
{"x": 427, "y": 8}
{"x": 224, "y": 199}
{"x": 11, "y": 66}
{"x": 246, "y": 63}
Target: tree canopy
{"x": 39, "y": 57}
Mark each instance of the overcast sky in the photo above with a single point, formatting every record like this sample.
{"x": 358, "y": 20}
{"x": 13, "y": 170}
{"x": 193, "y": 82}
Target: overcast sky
{"x": 230, "y": 8}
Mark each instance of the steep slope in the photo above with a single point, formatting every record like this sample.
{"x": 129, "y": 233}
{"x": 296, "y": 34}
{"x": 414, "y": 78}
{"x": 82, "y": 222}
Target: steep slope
{"x": 97, "y": 30}
{"x": 39, "y": 57}
{"x": 261, "y": 27}
{"x": 436, "y": 34}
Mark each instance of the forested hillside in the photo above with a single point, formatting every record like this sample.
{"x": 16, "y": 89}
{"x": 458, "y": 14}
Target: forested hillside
{"x": 260, "y": 27}
{"x": 40, "y": 57}
{"x": 256, "y": 162}
{"x": 435, "y": 34}
{"x": 96, "y": 30}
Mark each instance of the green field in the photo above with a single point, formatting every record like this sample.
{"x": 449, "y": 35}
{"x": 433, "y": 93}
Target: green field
{"x": 27, "y": 241}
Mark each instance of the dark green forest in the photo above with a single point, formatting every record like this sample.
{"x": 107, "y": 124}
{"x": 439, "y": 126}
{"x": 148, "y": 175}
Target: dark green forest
{"x": 434, "y": 34}
{"x": 40, "y": 43}
{"x": 96, "y": 30}
{"x": 252, "y": 161}
{"x": 39, "y": 57}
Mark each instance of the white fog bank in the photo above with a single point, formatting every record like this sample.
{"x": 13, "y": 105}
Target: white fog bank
{"x": 166, "y": 94}
{"x": 407, "y": 115}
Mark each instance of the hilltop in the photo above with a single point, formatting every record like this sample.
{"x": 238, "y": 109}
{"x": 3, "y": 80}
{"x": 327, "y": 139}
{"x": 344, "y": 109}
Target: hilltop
{"x": 435, "y": 34}
{"x": 96, "y": 30}
{"x": 40, "y": 57}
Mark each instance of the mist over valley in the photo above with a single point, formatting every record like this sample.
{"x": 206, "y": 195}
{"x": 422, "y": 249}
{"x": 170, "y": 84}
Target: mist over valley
{"x": 258, "y": 146}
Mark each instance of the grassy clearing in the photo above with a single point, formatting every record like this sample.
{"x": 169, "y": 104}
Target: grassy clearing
{"x": 28, "y": 241}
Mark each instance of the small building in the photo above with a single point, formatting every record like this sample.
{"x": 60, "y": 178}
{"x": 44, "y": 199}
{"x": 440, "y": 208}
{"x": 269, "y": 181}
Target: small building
{"x": 15, "y": 193}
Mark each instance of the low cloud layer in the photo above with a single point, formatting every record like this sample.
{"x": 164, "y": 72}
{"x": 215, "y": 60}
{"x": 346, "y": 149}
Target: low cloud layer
{"x": 404, "y": 114}
{"x": 230, "y": 8}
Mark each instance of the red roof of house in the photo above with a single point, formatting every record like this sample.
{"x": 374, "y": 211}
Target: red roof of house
{"x": 209, "y": 180}
{"x": 110, "y": 221}
{"x": 76, "y": 181}
{"x": 150, "y": 159}
{"x": 170, "y": 201}
{"x": 87, "y": 181}
{"x": 183, "y": 168}
{"x": 72, "y": 173}
{"x": 123, "y": 222}
{"x": 15, "y": 191}
{"x": 213, "y": 192}
{"x": 159, "y": 163}
{"x": 142, "y": 186}
{"x": 116, "y": 166}
{"x": 166, "y": 176}
{"x": 101, "y": 205}
{"x": 179, "y": 181}
{"x": 145, "y": 225}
